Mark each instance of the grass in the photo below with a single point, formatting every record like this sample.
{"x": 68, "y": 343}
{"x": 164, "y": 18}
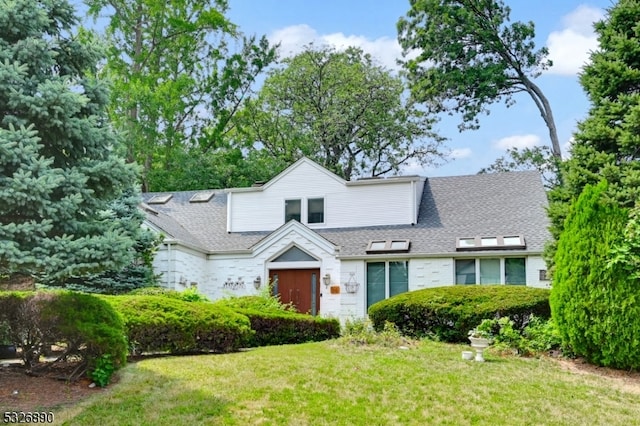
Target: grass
{"x": 331, "y": 384}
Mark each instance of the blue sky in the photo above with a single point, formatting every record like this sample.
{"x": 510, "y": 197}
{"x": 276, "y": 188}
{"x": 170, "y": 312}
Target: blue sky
{"x": 564, "y": 26}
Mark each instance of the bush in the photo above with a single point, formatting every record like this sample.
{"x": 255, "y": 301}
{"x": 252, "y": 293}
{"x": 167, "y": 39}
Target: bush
{"x": 188, "y": 295}
{"x": 82, "y": 324}
{"x": 361, "y": 333}
{"x": 539, "y": 336}
{"x": 276, "y": 323}
{"x": 165, "y": 324}
{"x": 448, "y": 313}
{"x": 596, "y": 302}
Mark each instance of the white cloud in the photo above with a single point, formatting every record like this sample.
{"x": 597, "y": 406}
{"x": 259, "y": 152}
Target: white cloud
{"x": 569, "y": 48}
{"x": 517, "y": 141}
{"x": 293, "y": 39}
{"x": 459, "y": 153}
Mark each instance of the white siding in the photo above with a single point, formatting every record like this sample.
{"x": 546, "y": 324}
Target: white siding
{"x": 428, "y": 273}
{"x": 180, "y": 268}
{"x": 352, "y": 306}
{"x": 384, "y": 202}
{"x": 535, "y": 264}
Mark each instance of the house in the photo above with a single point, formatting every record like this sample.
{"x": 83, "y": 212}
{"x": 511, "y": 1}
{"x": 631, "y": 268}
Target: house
{"x": 334, "y": 247}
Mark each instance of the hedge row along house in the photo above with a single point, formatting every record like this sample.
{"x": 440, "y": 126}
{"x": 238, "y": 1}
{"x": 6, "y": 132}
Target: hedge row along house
{"x": 334, "y": 247}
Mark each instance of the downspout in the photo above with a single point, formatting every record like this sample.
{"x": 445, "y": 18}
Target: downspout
{"x": 228, "y": 212}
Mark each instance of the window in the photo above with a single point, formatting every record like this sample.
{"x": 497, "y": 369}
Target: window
{"x": 511, "y": 271}
{"x": 386, "y": 246}
{"x": 490, "y": 271}
{"x": 514, "y": 271}
{"x": 292, "y": 210}
{"x": 386, "y": 279}
{"x": 315, "y": 210}
{"x": 542, "y": 275}
{"x": 465, "y": 271}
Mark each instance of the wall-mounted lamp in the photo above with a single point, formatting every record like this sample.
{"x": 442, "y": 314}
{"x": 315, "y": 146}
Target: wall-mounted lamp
{"x": 326, "y": 280}
{"x": 257, "y": 282}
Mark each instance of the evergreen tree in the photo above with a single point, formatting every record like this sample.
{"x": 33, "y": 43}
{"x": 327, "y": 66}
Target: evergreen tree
{"x": 595, "y": 300}
{"x": 58, "y": 172}
{"x": 607, "y": 144}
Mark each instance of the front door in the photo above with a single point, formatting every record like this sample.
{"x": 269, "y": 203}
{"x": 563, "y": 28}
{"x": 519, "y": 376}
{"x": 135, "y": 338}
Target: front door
{"x": 300, "y": 287}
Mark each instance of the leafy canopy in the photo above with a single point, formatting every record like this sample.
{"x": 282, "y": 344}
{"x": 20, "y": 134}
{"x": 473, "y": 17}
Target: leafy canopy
{"x": 462, "y": 55}
{"x": 343, "y": 111}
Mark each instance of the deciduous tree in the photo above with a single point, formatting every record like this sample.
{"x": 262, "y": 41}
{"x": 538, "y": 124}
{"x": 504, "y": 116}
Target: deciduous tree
{"x": 462, "y": 55}
{"x": 180, "y": 71}
{"x": 343, "y": 111}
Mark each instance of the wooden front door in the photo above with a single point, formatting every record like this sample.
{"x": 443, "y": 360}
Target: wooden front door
{"x": 300, "y": 287}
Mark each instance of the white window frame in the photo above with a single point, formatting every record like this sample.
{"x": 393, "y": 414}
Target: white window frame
{"x": 304, "y": 209}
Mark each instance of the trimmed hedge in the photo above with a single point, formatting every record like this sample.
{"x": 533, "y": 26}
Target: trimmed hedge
{"x": 276, "y": 324}
{"x": 448, "y": 313}
{"x": 83, "y": 324}
{"x": 164, "y": 324}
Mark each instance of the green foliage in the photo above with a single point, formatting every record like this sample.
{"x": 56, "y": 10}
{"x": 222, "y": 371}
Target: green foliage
{"x": 626, "y": 254}
{"x": 538, "y": 158}
{"x": 595, "y": 303}
{"x": 180, "y": 71}
{"x": 470, "y": 56}
{"x": 82, "y": 324}
{"x": 59, "y": 174}
{"x": 448, "y": 313}
{"x": 275, "y": 323}
{"x": 341, "y": 110}
{"x": 137, "y": 274}
{"x": 360, "y": 332}
{"x": 538, "y": 336}
{"x": 166, "y": 324}
{"x": 606, "y": 144}
{"x": 103, "y": 370}
{"x": 187, "y": 295}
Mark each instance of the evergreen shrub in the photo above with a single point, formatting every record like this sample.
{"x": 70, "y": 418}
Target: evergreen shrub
{"x": 448, "y": 313}
{"x": 165, "y": 324}
{"x": 275, "y": 323}
{"x": 82, "y": 324}
{"x": 596, "y": 302}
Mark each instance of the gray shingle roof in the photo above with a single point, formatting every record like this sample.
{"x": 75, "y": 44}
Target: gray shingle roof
{"x": 459, "y": 206}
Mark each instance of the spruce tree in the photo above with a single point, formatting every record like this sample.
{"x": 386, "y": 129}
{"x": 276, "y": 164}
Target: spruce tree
{"x": 59, "y": 174}
{"x": 607, "y": 143}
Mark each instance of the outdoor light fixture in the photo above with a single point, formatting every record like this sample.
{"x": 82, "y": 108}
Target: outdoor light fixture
{"x": 326, "y": 280}
{"x": 257, "y": 282}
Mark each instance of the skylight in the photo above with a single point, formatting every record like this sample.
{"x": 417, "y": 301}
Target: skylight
{"x": 388, "y": 246}
{"x": 160, "y": 199}
{"x": 201, "y": 197}
{"x": 498, "y": 242}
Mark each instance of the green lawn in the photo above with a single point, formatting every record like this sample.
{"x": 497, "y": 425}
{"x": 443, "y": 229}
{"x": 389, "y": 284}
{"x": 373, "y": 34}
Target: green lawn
{"x": 330, "y": 384}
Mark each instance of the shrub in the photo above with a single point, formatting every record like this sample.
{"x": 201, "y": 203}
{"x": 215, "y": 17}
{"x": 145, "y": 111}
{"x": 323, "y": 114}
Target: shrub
{"x": 188, "y": 295}
{"x": 164, "y": 324}
{"x": 275, "y": 323}
{"x": 539, "y": 336}
{"x": 361, "y": 333}
{"x": 82, "y": 324}
{"x": 448, "y": 313}
{"x": 596, "y": 302}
